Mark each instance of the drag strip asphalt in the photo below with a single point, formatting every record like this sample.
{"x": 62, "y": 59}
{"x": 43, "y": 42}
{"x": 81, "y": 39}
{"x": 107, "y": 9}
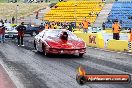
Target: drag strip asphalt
{"x": 34, "y": 70}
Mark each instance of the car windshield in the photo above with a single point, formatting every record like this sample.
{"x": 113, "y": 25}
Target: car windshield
{"x": 56, "y": 33}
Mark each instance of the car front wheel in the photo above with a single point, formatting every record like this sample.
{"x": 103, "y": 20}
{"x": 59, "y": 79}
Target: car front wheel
{"x": 44, "y": 50}
{"x": 81, "y": 54}
{"x": 36, "y": 46}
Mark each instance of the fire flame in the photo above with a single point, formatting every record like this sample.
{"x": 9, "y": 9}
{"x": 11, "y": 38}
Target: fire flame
{"x": 81, "y": 71}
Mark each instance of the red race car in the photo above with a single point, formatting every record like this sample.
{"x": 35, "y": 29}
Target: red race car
{"x": 59, "y": 41}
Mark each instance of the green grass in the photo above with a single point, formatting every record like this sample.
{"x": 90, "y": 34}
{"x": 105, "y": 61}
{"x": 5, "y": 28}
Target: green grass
{"x": 24, "y": 9}
{"x": 1, "y": 1}
{"x": 5, "y": 1}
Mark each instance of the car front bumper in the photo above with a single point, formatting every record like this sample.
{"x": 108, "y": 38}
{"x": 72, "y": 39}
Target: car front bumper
{"x": 11, "y": 35}
{"x": 66, "y": 51}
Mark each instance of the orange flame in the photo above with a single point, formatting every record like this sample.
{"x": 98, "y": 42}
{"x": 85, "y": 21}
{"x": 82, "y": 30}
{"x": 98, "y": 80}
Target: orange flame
{"x": 81, "y": 71}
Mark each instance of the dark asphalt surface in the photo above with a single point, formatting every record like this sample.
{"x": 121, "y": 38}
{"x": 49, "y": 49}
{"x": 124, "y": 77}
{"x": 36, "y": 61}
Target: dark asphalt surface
{"x": 29, "y": 69}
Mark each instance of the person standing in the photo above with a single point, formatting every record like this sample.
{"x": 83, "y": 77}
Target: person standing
{"x": 103, "y": 25}
{"x": 52, "y": 25}
{"x": 21, "y": 28}
{"x": 41, "y": 27}
{"x": 85, "y": 25}
{"x": 70, "y": 27}
{"x": 80, "y": 26}
{"x": 5, "y": 20}
{"x": 1, "y": 21}
{"x": 37, "y": 13}
{"x": 13, "y": 20}
{"x": 2, "y": 33}
{"x": 15, "y": 1}
{"x": 64, "y": 24}
{"x": 55, "y": 25}
{"x": 116, "y": 30}
{"x": 46, "y": 26}
{"x": 130, "y": 42}
{"x": 130, "y": 35}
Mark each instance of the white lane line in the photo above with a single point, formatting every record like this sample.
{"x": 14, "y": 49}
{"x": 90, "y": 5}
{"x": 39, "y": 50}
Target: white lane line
{"x": 124, "y": 53}
{"x": 130, "y": 54}
{"x": 11, "y": 75}
{"x": 96, "y": 48}
{"x": 119, "y": 52}
{"x": 102, "y": 49}
{"x": 110, "y": 51}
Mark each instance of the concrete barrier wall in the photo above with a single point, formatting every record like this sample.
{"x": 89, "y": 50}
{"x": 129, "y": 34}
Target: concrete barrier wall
{"x": 117, "y": 45}
{"x": 108, "y": 36}
{"x": 95, "y": 40}
{"x": 92, "y": 39}
{"x": 105, "y": 40}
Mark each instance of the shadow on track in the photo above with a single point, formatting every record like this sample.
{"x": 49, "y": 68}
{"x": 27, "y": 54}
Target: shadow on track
{"x": 61, "y": 56}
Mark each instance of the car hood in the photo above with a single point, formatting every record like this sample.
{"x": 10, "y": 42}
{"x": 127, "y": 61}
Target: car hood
{"x": 11, "y": 31}
{"x": 63, "y": 44}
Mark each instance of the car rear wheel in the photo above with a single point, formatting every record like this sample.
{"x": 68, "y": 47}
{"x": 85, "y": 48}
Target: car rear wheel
{"x": 81, "y": 54}
{"x": 34, "y": 44}
{"x": 44, "y": 50}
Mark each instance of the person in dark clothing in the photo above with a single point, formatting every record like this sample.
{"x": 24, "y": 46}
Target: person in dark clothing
{"x": 15, "y": 1}
{"x": 41, "y": 27}
{"x": 108, "y": 20}
{"x": 1, "y": 21}
{"x": 21, "y": 28}
{"x": 52, "y": 25}
{"x": 41, "y": 1}
{"x": 5, "y": 20}
{"x": 64, "y": 25}
{"x": 64, "y": 36}
{"x": 37, "y": 13}
{"x": 120, "y": 21}
{"x": 130, "y": 17}
{"x": 13, "y": 19}
{"x": 70, "y": 27}
{"x": 61, "y": 25}
{"x": 2, "y": 33}
{"x": 46, "y": 26}
{"x": 116, "y": 30}
{"x": 103, "y": 25}
{"x": 58, "y": 23}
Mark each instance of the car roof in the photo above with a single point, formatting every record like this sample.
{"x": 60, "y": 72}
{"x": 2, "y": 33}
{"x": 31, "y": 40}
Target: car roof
{"x": 52, "y": 30}
{"x": 57, "y": 29}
